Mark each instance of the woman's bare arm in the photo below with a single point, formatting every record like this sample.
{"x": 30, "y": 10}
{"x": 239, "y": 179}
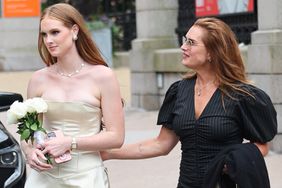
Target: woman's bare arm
{"x": 161, "y": 145}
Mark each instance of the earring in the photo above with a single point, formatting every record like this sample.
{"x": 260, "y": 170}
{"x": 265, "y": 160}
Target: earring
{"x": 74, "y": 37}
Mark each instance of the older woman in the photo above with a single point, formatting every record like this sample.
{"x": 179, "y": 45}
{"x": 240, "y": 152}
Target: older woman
{"x": 212, "y": 108}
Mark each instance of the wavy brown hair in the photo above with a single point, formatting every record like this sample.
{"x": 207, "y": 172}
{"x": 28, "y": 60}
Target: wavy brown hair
{"x": 221, "y": 44}
{"x": 69, "y": 16}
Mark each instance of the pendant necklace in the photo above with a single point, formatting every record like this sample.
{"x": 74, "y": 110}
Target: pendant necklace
{"x": 199, "y": 88}
{"x": 70, "y": 74}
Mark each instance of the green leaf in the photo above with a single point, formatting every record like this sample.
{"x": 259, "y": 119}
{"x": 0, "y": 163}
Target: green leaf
{"x": 25, "y": 134}
{"x": 33, "y": 127}
{"x": 43, "y": 130}
{"x": 40, "y": 124}
{"x": 27, "y": 124}
{"x": 49, "y": 160}
{"x": 21, "y": 125}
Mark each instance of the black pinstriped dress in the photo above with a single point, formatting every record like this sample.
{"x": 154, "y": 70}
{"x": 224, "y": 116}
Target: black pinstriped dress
{"x": 217, "y": 127}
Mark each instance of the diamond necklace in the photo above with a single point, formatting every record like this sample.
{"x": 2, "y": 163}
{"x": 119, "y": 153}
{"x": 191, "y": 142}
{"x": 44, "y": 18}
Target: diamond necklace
{"x": 72, "y": 73}
{"x": 199, "y": 88}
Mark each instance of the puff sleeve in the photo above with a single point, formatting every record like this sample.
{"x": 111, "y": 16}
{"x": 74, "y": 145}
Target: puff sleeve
{"x": 165, "y": 115}
{"x": 258, "y": 116}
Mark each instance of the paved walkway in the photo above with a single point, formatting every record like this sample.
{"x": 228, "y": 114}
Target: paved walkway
{"x": 157, "y": 172}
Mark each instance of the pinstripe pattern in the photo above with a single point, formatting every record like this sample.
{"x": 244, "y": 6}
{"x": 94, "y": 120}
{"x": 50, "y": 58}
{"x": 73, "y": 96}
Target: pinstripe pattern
{"x": 201, "y": 139}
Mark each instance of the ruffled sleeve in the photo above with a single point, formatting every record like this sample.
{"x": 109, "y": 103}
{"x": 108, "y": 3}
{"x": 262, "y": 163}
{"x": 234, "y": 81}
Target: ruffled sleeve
{"x": 165, "y": 116}
{"x": 258, "y": 116}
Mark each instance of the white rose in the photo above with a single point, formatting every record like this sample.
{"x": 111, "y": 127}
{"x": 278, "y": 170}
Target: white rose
{"x": 17, "y": 111}
{"x": 29, "y": 105}
{"x": 36, "y": 104}
{"x": 11, "y": 117}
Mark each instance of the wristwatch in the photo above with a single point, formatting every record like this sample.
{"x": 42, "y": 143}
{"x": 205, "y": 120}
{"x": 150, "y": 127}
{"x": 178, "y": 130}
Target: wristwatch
{"x": 73, "y": 143}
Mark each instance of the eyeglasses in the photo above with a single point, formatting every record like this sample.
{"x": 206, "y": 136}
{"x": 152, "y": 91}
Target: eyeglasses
{"x": 189, "y": 42}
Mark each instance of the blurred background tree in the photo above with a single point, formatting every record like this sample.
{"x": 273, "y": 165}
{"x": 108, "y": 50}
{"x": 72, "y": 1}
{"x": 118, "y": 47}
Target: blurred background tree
{"x": 119, "y": 15}
{"x": 85, "y": 7}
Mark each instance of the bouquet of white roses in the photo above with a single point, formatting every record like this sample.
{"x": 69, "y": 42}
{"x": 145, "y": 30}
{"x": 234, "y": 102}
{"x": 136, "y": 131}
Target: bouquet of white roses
{"x": 26, "y": 116}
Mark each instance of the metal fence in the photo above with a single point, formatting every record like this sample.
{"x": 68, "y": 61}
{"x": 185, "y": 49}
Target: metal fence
{"x": 242, "y": 24}
{"x": 123, "y": 15}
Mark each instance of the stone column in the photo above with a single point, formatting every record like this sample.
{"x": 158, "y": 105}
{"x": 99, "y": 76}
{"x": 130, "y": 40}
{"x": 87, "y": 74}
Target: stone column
{"x": 156, "y": 21}
{"x": 265, "y": 58}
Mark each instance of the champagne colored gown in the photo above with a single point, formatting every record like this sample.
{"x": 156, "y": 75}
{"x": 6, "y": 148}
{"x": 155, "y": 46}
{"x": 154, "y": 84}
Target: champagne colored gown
{"x": 86, "y": 169}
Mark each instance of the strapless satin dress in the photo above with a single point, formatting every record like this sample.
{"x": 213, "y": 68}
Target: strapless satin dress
{"x": 86, "y": 169}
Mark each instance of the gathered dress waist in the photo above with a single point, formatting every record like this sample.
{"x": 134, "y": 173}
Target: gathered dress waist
{"x": 80, "y": 162}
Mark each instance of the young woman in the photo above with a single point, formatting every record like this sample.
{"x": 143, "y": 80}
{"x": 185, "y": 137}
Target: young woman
{"x": 213, "y": 108}
{"x": 80, "y": 91}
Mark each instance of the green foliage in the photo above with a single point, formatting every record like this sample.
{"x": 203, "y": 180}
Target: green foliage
{"x": 100, "y": 14}
{"x": 117, "y": 36}
{"x": 28, "y": 125}
{"x": 95, "y": 25}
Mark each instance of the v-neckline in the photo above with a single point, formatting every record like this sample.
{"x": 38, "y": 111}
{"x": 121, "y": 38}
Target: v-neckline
{"x": 207, "y": 105}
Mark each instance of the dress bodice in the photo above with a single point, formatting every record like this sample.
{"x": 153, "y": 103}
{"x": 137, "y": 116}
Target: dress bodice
{"x": 76, "y": 119}
{"x": 72, "y": 118}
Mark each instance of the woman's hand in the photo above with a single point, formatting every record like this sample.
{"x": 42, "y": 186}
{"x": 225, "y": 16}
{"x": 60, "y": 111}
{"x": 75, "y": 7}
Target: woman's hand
{"x": 263, "y": 147}
{"x": 57, "y": 146}
{"x": 35, "y": 158}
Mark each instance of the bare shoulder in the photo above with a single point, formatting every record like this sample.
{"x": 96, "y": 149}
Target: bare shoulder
{"x": 38, "y": 76}
{"x": 103, "y": 73}
{"x": 36, "y": 82}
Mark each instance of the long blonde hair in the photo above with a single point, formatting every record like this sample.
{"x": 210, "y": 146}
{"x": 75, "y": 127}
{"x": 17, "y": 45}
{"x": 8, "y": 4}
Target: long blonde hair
{"x": 221, "y": 44}
{"x": 69, "y": 16}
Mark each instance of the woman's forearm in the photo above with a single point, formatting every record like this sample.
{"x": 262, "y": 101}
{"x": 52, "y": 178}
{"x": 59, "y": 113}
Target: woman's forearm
{"x": 161, "y": 145}
{"x": 141, "y": 150}
{"x": 102, "y": 141}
